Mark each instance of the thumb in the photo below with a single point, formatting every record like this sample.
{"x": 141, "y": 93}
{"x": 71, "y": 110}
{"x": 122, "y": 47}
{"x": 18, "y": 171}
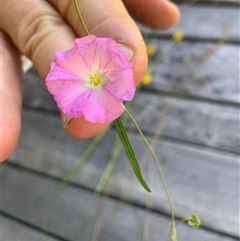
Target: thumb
{"x": 104, "y": 18}
{"x": 38, "y": 30}
{"x": 108, "y": 19}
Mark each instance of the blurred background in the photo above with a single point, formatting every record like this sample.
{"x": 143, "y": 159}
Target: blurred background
{"x": 55, "y": 188}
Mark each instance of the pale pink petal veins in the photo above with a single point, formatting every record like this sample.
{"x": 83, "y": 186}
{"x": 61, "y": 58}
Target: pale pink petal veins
{"x": 57, "y": 73}
{"x": 105, "y": 56}
{"x": 102, "y": 107}
{"x": 72, "y": 61}
{"x": 121, "y": 84}
{"x": 69, "y": 90}
{"x": 68, "y": 97}
{"x": 81, "y": 42}
{"x": 99, "y": 53}
{"x": 74, "y": 106}
{"x": 70, "y": 74}
{"x": 117, "y": 61}
{"x": 105, "y": 51}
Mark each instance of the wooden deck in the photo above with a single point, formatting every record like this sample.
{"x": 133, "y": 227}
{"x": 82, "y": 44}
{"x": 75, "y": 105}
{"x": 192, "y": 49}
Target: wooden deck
{"x": 193, "y": 101}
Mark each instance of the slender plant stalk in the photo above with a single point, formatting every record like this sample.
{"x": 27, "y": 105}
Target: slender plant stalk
{"x": 87, "y": 152}
{"x": 158, "y": 167}
{"x": 108, "y": 170}
{"x": 80, "y": 17}
{"x": 159, "y": 57}
{"x": 182, "y": 221}
{"x": 127, "y": 145}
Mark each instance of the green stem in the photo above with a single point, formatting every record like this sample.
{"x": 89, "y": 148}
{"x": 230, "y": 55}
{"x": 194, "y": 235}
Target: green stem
{"x": 87, "y": 152}
{"x": 107, "y": 172}
{"x": 80, "y": 17}
{"x": 182, "y": 221}
{"x": 158, "y": 167}
{"x": 159, "y": 57}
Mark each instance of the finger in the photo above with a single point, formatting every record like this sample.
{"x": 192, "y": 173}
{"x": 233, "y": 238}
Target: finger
{"x": 107, "y": 18}
{"x": 38, "y": 31}
{"x": 159, "y": 14}
{"x": 11, "y": 100}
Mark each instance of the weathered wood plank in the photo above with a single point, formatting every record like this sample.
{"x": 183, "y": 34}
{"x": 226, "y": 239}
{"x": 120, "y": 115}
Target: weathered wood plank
{"x": 14, "y": 231}
{"x": 199, "y": 70}
{"x": 72, "y": 213}
{"x": 205, "y": 22}
{"x": 192, "y": 121}
{"x": 195, "y": 122}
{"x": 200, "y": 180}
{"x": 35, "y": 93}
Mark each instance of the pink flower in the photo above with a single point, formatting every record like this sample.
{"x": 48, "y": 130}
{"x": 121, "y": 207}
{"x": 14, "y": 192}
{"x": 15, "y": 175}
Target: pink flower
{"x": 91, "y": 79}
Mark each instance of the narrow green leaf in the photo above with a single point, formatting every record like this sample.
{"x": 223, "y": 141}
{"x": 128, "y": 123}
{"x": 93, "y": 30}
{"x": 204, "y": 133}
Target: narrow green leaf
{"x": 130, "y": 152}
{"x": 115, "y": 152}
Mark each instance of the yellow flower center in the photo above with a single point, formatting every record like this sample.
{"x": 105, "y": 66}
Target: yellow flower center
{"x": 95, "y": 80}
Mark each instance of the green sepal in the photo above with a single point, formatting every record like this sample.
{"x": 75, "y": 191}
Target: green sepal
{"x": 194, "y": 221}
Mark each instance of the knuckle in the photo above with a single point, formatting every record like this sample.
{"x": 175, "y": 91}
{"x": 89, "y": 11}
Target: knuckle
{"x": 105, "y": 23}
{"x": 32, "y": 29}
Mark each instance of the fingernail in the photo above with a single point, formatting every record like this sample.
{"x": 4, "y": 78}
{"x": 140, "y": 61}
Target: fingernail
{"x": 128, "y": 51}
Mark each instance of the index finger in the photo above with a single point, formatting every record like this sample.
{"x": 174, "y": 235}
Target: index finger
{"x": 39, "y": 31}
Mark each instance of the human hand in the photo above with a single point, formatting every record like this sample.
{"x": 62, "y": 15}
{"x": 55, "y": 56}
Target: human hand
{"x": 38, "y": 28}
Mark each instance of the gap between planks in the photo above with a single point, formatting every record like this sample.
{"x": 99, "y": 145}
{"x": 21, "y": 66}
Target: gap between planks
{"x": 189, "y": 97}
{"x": 16, "y": 229}
{"x": 225, "y": 3}
{"x": 91, "y": 190}
{"x": 32, "y": 184}
{"x": 56, "y": 153}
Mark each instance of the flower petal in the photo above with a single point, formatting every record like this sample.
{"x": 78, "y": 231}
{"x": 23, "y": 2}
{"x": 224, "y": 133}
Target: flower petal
{"x": 69, "y": 91}
{"x": 99, "y": 52}
{"x": 70, "y": 74}
{"x": 102, "y": 107}
{"x": 121, "y": 84}
{"x": 81, "y": 42}
{"x": 58, "y": 72}
{"x": 117, "y": 61}
{"x": 72, "y": 61}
